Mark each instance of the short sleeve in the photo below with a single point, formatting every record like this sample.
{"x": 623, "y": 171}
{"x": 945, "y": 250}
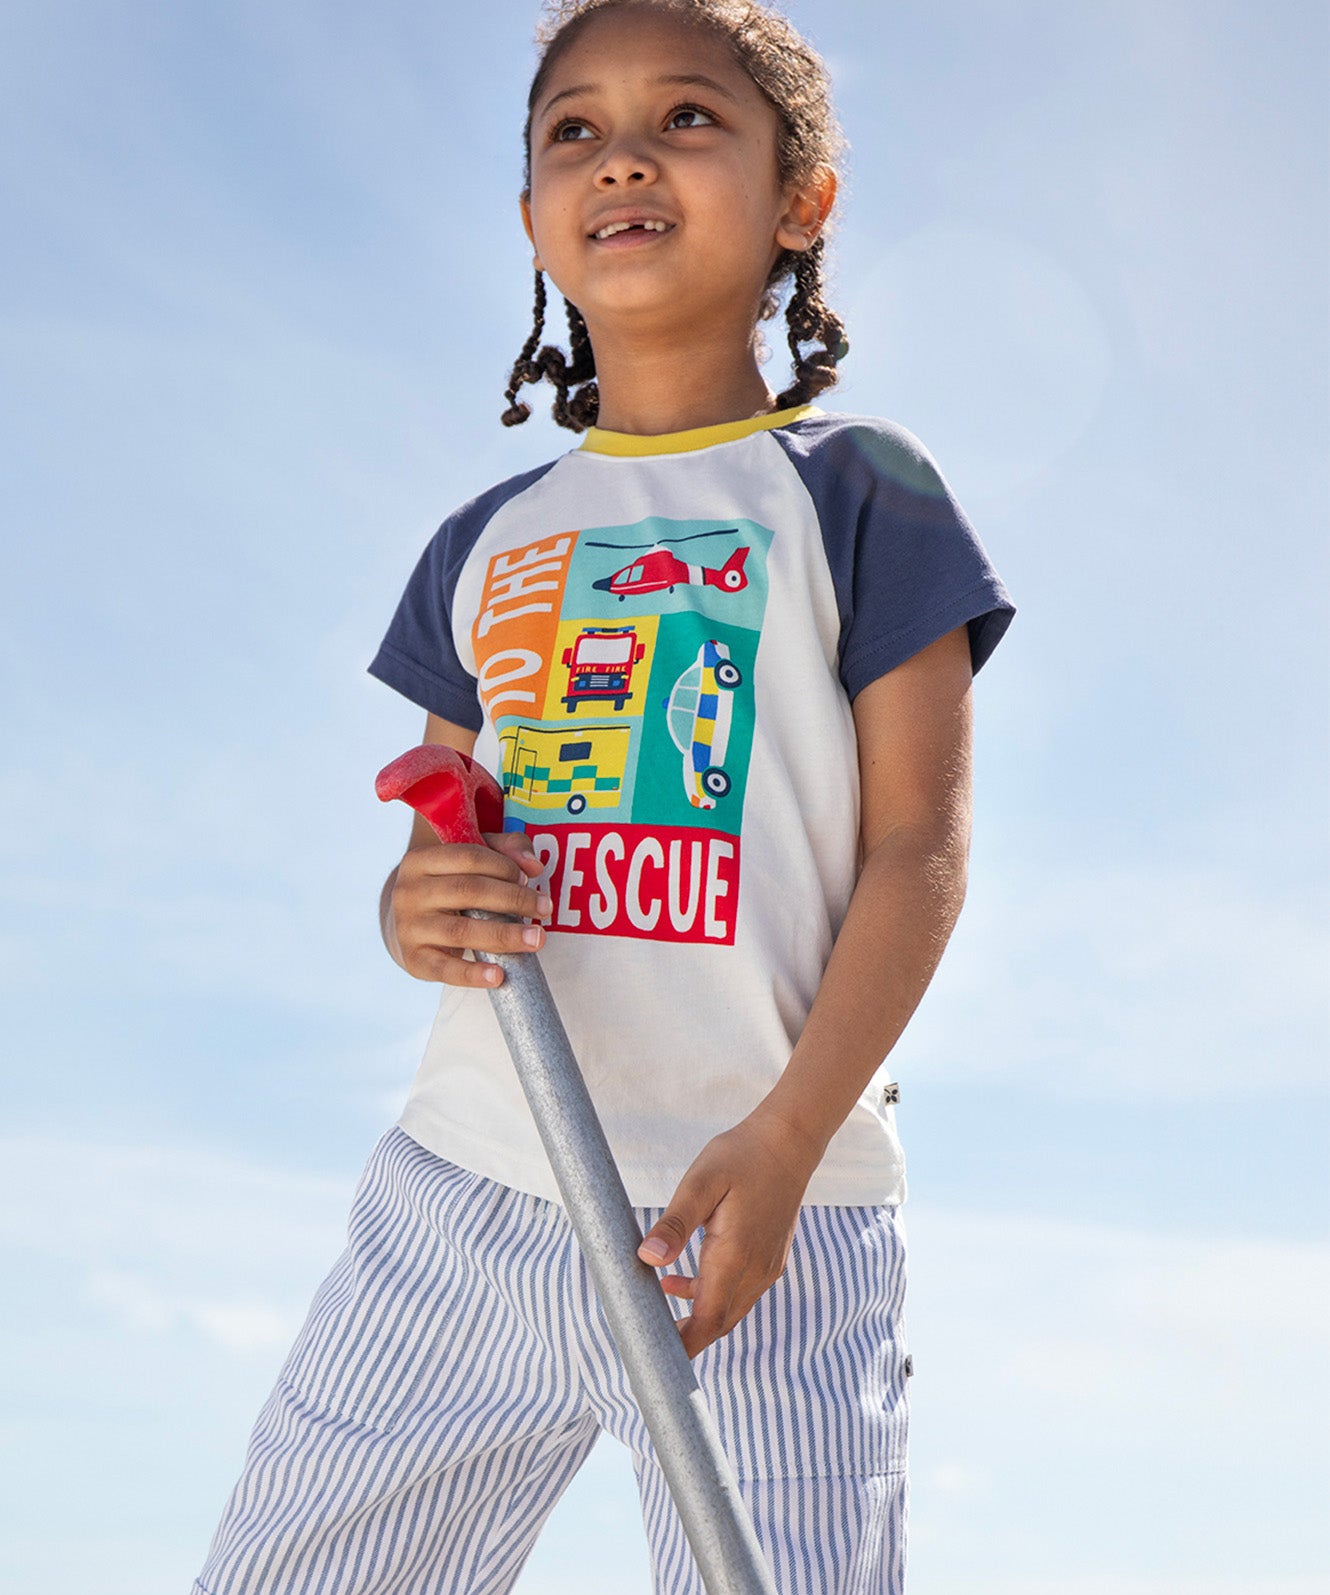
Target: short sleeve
{"x": 907, "y": 565}
{"x": 418, "y": 655}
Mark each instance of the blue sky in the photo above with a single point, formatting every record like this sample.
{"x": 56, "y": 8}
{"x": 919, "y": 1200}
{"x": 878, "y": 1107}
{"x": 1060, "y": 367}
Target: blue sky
{"x": 262, "y": 285}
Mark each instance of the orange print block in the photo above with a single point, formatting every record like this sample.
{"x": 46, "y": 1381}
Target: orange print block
{"x": 517, "y": 627}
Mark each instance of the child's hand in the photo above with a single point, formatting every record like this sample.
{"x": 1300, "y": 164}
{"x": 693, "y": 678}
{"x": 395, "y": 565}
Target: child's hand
{"x": 744, "y": 1188}
{"x": 425, "y": 927}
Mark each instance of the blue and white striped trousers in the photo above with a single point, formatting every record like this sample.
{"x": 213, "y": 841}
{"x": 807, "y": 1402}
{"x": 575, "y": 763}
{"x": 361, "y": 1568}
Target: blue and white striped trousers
{"x": 455, "y": 1370}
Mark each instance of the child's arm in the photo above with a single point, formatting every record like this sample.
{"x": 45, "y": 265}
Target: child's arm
{"x": 420, "y": 907}
{"x": 914, "y": 733}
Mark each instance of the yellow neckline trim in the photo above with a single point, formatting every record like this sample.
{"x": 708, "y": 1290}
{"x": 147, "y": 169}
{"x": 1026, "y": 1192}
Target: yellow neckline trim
{"x": 598, "y": 441}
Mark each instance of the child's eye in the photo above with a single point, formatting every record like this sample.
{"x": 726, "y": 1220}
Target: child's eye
{"x": 690, "y": 111}
{"x": 559, "y": 133}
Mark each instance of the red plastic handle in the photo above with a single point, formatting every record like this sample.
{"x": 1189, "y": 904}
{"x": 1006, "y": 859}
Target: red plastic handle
{"x": 459, "y": 797}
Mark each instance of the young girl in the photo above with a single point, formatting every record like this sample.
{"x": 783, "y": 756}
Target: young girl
{"x": 720, "y": 655}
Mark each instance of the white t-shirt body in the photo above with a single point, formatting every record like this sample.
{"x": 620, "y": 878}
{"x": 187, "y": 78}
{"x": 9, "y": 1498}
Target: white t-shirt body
{"x": 657, "y": 641}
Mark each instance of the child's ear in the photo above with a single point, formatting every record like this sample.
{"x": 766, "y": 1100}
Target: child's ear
{"x": 525, "y": 202}
{"x": 807, "y": 208}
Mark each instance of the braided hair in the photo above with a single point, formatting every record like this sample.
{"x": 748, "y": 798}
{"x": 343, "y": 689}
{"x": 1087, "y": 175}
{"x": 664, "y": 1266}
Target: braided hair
{"x": 795, "y": 81}
{"x": 581, "y": 410}
{"x": 811, "y": 321}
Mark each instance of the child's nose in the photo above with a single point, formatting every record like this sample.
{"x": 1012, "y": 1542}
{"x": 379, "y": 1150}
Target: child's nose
{"x": 624, "y": 164}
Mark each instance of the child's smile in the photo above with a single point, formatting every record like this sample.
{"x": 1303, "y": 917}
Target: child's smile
{"x": 626, "y": 229}
{"x": 656, "y": 204}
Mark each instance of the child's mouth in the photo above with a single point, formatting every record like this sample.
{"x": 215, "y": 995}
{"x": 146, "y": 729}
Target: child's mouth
{"x": 630, "y": 235}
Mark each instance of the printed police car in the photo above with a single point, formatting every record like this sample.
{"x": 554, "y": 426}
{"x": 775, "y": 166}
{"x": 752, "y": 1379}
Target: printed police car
{"x": 698, "y": 712}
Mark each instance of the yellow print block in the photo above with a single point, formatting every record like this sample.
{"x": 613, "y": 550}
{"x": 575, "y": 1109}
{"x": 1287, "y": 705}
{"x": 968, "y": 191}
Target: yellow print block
{"x": 569, "y": 769}
{"x": 600, "y": 669}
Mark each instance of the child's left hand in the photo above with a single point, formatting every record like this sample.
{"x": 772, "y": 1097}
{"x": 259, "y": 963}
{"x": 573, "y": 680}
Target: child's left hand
{"x": 744, "y": 1188}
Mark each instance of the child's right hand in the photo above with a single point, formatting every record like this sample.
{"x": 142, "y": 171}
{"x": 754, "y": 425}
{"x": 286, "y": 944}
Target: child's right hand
{"x": 424, "y": 926}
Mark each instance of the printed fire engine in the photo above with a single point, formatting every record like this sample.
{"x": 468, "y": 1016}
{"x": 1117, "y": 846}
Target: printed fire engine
{"x": 600, "y": 665}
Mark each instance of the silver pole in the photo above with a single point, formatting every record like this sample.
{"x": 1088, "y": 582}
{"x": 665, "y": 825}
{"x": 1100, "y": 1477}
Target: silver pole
{"x": 678, "y": 1420}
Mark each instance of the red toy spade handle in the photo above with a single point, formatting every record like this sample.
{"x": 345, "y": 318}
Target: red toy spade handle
{"x": 459, "y": 797}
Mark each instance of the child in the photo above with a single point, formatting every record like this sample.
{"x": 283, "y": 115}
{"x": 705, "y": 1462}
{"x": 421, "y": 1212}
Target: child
{"x": 721, "y": 656}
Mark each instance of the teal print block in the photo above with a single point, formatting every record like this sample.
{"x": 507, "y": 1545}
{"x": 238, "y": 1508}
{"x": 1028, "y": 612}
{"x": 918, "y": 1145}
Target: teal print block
{"x": 662, "y": 793}
{"x": 600, "y": 588}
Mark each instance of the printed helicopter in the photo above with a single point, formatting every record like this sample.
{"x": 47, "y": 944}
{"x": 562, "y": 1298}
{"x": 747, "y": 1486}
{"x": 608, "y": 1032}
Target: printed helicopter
{"x": 661, "y": 571}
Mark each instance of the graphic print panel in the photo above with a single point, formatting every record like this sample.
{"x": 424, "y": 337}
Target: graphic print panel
{"x": 617, "y": 666}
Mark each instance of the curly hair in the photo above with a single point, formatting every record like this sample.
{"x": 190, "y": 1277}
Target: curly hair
{"x": 794, "y": 80}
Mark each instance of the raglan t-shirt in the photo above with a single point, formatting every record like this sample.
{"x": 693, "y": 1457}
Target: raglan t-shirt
{"x": 658, "y": 641}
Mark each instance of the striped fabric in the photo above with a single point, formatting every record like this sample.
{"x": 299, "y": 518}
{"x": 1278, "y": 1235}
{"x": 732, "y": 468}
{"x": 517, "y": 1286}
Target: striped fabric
{"x": 455, "y": 1370}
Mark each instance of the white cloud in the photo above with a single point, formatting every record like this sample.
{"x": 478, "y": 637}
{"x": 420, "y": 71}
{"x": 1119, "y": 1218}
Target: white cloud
{"x": 190, "y": 876}
{"x": 1121, "y": 979}
{"x": 234, "y": 1326}
{"x": 166, "y": 1238}
{"x": 1067, "y": 1370}
{"x": 131, "y": 1301}
{"x": 955, "y": 1478}
{"x": 244, "y": 1326}
{"x": 1093, "y": 1341}
{"x": 1199, "y": 1290}
{"x": 1046, "y": 1352}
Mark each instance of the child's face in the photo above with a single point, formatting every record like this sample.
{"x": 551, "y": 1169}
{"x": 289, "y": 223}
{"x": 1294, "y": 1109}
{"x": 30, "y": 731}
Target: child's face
{"x": 614, "y": 139}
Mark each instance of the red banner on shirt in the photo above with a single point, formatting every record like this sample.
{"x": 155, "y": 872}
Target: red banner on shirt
{"x": 657, "y": 883}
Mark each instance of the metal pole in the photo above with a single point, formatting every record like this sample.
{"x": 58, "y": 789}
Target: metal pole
{"x": 461, "y": 800}
{"x": 682, "y": 1429}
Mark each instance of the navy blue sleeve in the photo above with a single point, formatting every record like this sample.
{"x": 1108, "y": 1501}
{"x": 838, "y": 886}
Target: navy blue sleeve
{"x": 417, "y": 656}
{"x": 907, "y": 565}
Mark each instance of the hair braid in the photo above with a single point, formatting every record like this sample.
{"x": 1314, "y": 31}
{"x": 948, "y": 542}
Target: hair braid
{"x": 525, "y": 369}
{"x": 812, "y": 321}
{"x": 551, "y": 362}
{"x": 585, "y": 406}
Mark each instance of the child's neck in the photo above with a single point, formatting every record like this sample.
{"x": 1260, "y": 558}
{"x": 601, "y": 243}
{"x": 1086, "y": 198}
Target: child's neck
{"x": 648, "y": 391}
